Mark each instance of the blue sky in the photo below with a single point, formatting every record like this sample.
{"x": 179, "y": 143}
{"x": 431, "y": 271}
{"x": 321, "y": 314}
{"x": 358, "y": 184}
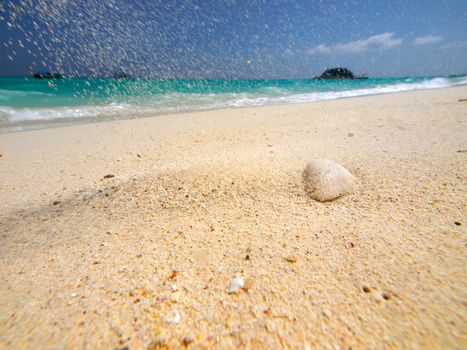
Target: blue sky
{"x": 234, "y": 39}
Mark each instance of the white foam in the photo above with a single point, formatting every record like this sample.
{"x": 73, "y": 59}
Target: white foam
{"x": 35, "y": 114}
{"x": 179, "y": 102}
{"x": 23, "y": 93}
{"x": 331, "y": 95}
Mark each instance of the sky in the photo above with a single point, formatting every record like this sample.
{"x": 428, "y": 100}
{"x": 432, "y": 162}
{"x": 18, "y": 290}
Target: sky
{"x": 233, "y": 38}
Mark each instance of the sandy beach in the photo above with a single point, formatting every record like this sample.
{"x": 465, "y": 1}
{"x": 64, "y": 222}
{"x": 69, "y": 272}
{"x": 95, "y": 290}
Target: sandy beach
{"x": 126, "y": 234}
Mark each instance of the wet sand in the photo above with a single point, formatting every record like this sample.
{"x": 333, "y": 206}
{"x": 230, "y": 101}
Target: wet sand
{"x": 144, "y": 258}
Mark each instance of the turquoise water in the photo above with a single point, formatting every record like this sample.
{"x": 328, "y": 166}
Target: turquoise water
{"x": 28, "y": 102}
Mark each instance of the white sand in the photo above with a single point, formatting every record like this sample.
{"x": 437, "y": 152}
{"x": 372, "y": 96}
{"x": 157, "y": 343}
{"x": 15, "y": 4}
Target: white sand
{"x": 219, "y": 194}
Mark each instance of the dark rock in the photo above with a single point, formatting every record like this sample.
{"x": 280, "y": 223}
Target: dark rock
{"x": 47, "y": 75}
{"x": 187, "y": 340}
{"x": 385, "y": 296}
{"x": 338, "y": 73}
{"x": 109, "y": 176}
{"x": 122, "y": 75}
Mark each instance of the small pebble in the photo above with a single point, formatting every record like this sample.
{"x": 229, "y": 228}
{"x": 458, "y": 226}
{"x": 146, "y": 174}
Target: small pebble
{"x": 56, "y": 202}
{"x": 236, "y": 284}
{"x": 109, "y": 176}
{"x": 327, "y": 312}
{"x": 173, "y": 275}
{"x": 457, "y": 223}
{"x": 291, "y": 259}
{"x": 175, "y": 319}
{"x": 187, "y": 340}
{"x": 366, "y": 289}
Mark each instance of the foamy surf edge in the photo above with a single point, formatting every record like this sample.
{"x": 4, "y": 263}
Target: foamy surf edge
{"x": 26, "y": 118}
{"x": 435, "y": 83}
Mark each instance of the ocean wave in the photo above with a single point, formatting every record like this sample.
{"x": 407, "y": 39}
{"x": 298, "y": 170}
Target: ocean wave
{"x": 435, "y": 83}
{"x": 175, "y": 102}
{"x": 22, "y": 93}
{"x": 13, "y": 115}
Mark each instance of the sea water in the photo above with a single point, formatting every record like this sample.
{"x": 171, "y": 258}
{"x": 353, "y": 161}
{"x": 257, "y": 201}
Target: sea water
{"x": 27, "y": 103}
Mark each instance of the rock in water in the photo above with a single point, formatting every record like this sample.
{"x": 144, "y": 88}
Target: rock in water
{"x": 326, "y": 180}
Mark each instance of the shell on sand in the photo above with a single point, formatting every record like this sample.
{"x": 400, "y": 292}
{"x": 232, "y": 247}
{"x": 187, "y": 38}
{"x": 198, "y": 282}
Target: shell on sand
{"x": 236, "y": 284}
{"x": 326, "y": 180}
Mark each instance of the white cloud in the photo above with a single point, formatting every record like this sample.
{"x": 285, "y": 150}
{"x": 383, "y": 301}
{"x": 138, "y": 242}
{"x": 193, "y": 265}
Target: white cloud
{"x": 455, "y": 45}
{"x": 321, "y": 48}
{"x": 429, "y": 39}
{"x": 380, "y": 41}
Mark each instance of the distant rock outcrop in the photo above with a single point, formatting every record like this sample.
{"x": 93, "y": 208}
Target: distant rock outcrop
{"x": 122, "y": 75}
{"x": 339, "y": 73}
{"x": 46, "y": 75}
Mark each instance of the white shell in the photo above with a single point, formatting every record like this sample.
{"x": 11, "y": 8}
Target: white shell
{"x": 326, "y": 180}
{"x": 175, "y": 318}
{"x": 236, "y": 284}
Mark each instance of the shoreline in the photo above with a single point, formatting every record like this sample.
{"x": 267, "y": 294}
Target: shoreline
{"x": 144, "y": 258}
{"x": 64, "y": 122}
